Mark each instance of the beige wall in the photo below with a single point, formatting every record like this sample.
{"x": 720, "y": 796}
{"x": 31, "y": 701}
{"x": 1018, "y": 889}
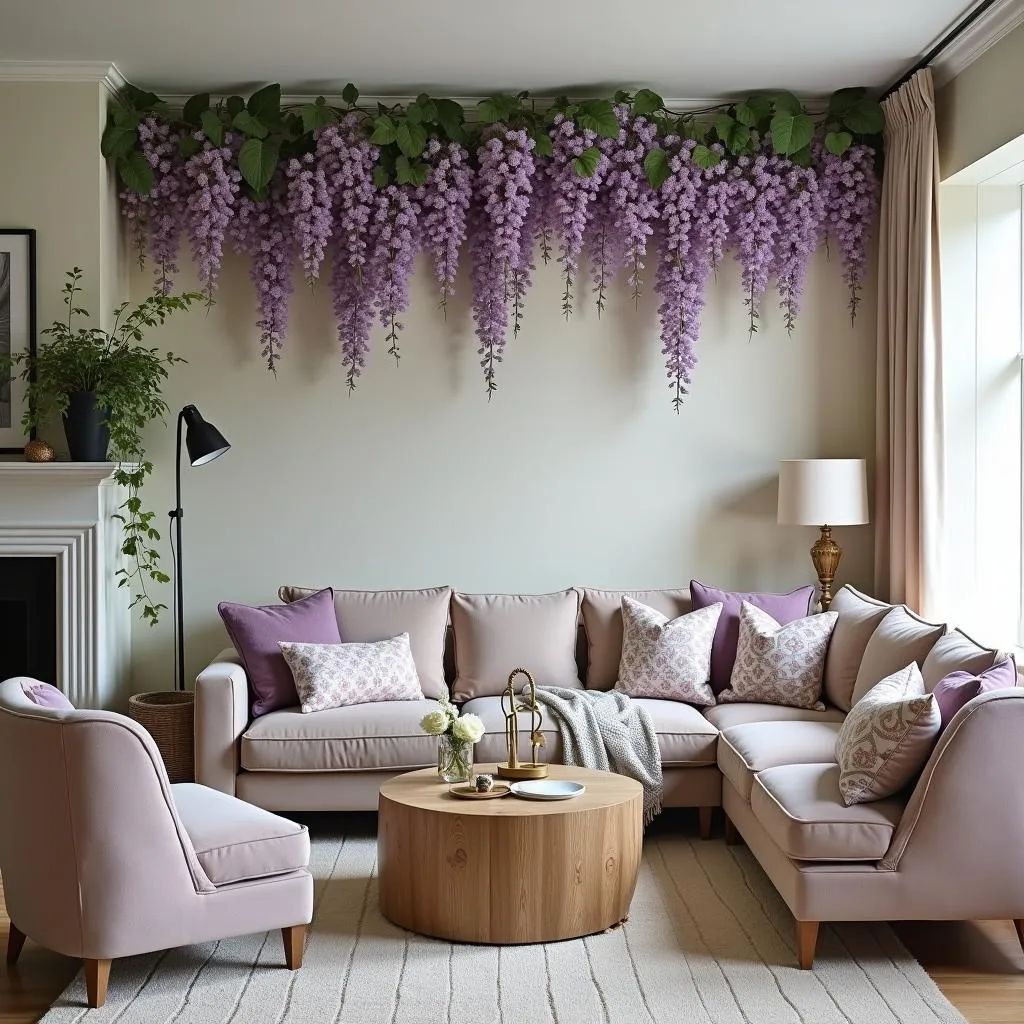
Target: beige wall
{"x": 981, "y": 109}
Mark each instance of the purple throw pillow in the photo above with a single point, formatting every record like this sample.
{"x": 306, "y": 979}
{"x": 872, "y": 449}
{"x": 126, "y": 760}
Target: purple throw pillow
{"x": 255, "y": 632}
{"x": 952, "y": 692}
{"x": 47, "y": 696}
{"x": 781, "y": 607}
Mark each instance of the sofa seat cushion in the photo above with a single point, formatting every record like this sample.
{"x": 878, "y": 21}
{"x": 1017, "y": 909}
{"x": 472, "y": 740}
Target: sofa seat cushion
{"x": 361, "y": 737}
{"x": 236, "y": 841}
{"x": 745, "y": 750}
{"x": 800, "y": 807}
{"x": 685, "y": 737}
{"x": 725, "y": 716}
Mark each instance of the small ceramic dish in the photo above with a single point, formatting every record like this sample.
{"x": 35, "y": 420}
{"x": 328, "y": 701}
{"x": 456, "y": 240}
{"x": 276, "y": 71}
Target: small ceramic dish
{"x": 467, "y": 791}
{"x": 548, "y": 789}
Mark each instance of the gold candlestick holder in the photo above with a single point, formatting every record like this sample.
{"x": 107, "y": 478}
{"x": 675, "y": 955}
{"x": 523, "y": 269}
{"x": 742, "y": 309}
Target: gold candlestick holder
{"x": 513, "y": 768}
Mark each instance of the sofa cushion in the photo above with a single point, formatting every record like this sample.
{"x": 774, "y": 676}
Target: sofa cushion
{"x": 782, "y": 607}
{"x": 495, "y": 633}
{"x": 799, "y": 806}
{"x": 236, "y": 841}
{"x": 859, "y": 616}
{"x": 960, "y": 688}
{"x": 360, "y": 737}
{"x": 602, "y": 621}
{"x": 745, "y": 750}
{"x": 900, "y": 638}
{"x": 45, "y": 695}
{"x": 368, "y": 615}
{"x": 725, "y": 716}
{"x": 956, "y": 652}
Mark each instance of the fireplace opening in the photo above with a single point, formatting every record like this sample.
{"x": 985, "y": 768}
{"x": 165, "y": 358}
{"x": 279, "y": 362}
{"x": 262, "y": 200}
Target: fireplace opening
{"x": 28, "y": 618}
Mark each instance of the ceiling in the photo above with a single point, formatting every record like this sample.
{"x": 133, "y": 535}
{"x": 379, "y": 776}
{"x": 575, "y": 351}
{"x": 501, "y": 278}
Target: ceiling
{"x": 682, "y": 48}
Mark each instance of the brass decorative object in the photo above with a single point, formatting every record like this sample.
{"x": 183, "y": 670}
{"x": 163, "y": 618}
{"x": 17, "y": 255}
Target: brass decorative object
{"x": 825, "y": 555}
{"x": 513, "y": 768}
{"x": 39, "y": 451}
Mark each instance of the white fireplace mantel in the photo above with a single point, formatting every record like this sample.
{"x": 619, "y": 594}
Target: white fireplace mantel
{"x": 64, "y": 510}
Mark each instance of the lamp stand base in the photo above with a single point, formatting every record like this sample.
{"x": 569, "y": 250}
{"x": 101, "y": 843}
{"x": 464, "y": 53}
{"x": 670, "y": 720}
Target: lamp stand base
{"x": 826, "y": 555}
{"x": 523, "y": 770}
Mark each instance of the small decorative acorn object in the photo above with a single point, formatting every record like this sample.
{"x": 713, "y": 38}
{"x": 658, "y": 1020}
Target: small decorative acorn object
{"x": 39, "y": 451}
{"x": 484, "y": 783}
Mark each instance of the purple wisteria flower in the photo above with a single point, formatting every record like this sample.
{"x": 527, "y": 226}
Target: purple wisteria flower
{"x": 163, "y": 206}
{"x": 444, "y": 203}
{"x": 214, "y": 183}
{"x": 309, "y": 206}
{"x": 394, "y": 230}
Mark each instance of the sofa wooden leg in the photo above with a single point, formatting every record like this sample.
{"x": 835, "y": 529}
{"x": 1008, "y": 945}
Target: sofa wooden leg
{"x": 97, "y": 974}
{"x": 294, "y": 945}
{"x": 1019, "y": 925}
{"x": 806, "y": 942}
{"x": 704, "y": 814}
{"x": 15, "y": 943}
{"x": 732, "y": 836}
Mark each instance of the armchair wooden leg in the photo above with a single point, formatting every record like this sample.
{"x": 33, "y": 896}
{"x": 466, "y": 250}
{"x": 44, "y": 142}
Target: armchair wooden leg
{"x": 15, "y": 942}
{"x": 806, "y": 942}
{"x": 1019, "y": 925}
{"x": 294, "y": 945}
{"x": 704, "y": 814}
{"x": 732, "y": 836}
{"x": 97, "y": 974}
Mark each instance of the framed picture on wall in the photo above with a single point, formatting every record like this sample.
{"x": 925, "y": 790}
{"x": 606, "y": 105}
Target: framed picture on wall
{"x": 17, "y": 330}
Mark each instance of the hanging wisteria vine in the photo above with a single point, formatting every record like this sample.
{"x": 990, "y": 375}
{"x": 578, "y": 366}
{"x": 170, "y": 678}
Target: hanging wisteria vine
{"x": 602, "y": 186}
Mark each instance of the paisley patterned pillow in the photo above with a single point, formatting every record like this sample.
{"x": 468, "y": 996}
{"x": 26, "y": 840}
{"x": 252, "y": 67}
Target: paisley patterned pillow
{"x": 779, "y": 664}
{"x": 336, "y": 675}
{"x": 670, "y": 659}
{"x": 887, "y": 737}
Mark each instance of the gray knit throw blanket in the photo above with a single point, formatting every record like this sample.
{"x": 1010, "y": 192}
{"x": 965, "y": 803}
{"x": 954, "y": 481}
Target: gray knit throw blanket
{"x": 607, "y": 732}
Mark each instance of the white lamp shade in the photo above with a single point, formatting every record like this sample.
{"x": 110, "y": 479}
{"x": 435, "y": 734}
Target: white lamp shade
{"x": 823, "y": 492}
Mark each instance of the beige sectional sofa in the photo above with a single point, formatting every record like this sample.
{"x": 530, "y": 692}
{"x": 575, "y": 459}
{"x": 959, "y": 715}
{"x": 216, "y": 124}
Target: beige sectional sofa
{"x": 948, "y": 847}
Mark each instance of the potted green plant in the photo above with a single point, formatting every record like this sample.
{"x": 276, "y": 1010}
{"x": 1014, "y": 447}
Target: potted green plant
{"x": 107, "y": 387}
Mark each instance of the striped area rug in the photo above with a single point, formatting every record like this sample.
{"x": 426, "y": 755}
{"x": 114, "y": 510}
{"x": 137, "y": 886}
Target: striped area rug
{"x": 708, "y": 941}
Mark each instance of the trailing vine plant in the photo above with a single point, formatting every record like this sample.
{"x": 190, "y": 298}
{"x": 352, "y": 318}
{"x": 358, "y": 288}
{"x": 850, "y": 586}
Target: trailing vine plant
{"x": 622, "y": 180}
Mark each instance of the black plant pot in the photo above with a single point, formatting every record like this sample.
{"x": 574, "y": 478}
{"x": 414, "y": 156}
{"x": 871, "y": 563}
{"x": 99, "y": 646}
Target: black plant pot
{"x": 85, "y": 428}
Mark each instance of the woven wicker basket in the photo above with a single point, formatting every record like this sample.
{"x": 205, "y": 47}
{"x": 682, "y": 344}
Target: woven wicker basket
{"x": 168, "y": 715}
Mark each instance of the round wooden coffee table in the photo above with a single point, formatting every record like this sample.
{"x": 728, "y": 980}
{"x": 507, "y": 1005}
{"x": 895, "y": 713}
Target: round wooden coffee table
{"x": 508, "y": 870}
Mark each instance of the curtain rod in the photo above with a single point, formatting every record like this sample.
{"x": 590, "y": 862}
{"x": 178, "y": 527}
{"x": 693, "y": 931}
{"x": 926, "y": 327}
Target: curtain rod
{"x": 951, "y": 36}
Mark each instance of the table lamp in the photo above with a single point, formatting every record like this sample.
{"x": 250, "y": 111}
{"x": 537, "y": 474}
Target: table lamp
{"x": 824, "y": 493}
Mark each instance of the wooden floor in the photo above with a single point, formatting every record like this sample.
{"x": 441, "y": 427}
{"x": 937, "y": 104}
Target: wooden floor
{"x": 978, "y": 965}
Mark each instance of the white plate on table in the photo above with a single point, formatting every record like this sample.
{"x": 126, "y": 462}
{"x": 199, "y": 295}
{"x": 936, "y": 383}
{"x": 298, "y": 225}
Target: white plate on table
{"x": 548, "y": 789}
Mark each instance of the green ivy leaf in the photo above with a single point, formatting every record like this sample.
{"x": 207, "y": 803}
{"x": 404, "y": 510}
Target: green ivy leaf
{"x": 599, "y": 116}
{"x": 257, "y": 160}
{"x": 843, "y": 99}
{"x": 704, "y": 157}
{"x": 802, "y": 157}
{"x": 791, "y": 133}
{"x": 139, "y": 99}
{"x": 488, "y": 112}
{"x": 136, "y": 173}
{"x": 350, "y": 94}
{"x": 381, "y": 178}
{"x": 316, "y": 115}
{"x": 753, "y": 110}
{"x": 403, "y": 170}
{"x": 724, "y": 124}
{"x": 249, "y": 125}
{"x": 213, "y": 127}
{"x": 451, "y": 117}
{"x": 542, "y": 144}
{"x": 586, "y": 164}
{"x": 838, "y": 142}
{"x": 656, "y": 167}
{"x": 194, "y": 107}
{"x": 864, "y": 118}
{"x": 385, "y": 131}
{"x": 786, "y": 103}
{"x": 189, "y": 146}
{"x": 411, "y": 138}
{"x": 265, "y": 103}
{"x": 233, "y": 104}
{"x": 739, "y": 139}
{"x": 647, "y": 102}
{"x": 117, "y": 140}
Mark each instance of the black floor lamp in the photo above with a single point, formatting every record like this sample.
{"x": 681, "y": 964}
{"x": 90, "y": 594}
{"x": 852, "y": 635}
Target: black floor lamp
{"x": 204, "y": 443}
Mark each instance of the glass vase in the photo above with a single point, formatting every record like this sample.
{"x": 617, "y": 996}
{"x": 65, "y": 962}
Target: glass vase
{"x": 454, "y": 759}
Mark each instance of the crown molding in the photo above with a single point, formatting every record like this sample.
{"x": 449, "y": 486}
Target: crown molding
{"x": 99, "y": 71}
{"x": 997, "y": 23}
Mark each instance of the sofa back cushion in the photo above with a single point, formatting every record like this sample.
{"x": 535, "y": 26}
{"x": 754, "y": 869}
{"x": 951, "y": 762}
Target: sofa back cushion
{"x": 859, "y": 616}
{"x": 366, "y": 616}
{"x": 496, "y": 633}
{"x": 952, "y": 692}
{"x": 602, "y": 620}
{"x": 900, "y": 638}
{"x": 956, "y": 652}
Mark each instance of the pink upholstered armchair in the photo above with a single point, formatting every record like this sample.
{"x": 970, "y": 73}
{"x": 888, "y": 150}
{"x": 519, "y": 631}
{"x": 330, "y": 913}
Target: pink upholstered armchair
{"x": 102, "y": 858}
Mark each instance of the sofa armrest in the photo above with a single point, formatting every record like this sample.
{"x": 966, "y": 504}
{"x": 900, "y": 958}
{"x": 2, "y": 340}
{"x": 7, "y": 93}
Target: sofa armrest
{"x": 222, "y": 715}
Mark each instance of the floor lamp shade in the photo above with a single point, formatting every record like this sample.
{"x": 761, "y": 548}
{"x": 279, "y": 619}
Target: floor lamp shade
{"x": 823, "y": 492}
{"x": 203, "y": 440}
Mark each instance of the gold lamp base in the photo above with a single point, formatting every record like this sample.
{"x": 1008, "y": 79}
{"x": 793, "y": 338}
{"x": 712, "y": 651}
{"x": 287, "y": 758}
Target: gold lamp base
{"x": 523, "y": 770}
{"x": 826, "y": 555}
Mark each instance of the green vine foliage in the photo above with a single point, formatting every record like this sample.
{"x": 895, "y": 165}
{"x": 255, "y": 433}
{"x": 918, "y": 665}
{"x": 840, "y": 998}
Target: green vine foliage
{"x": 127, "y": 378}
{"x": 274, "y": 133}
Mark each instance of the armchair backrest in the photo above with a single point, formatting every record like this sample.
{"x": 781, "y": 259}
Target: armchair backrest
{"x": 88, "y": 821}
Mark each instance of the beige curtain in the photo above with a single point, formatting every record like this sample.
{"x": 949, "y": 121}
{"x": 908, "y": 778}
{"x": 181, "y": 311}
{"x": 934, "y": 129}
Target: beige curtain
{"x": 909, "y": 442}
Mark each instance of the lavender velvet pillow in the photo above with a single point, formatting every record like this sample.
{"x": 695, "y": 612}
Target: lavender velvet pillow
{"x": 783, "y": 608}
{"x": 256, "y": 633}
{"x": 47, "y": 696}
{"x": 958, "y": 688}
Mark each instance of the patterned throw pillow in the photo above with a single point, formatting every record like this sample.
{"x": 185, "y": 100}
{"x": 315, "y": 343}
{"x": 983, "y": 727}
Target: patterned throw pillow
{"x": 667, "y": 658}
{"x": 778, "y": 664}
{"x": 336, "y": 675}
{"x": 887, "y": 737}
